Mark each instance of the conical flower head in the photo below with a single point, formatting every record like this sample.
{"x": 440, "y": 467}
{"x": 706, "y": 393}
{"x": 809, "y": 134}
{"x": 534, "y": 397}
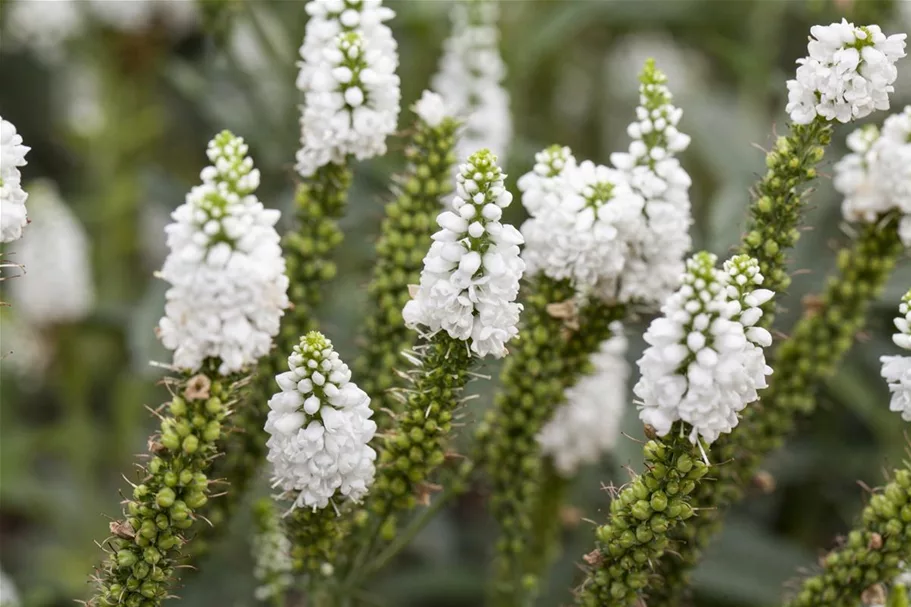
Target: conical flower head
{"x": 848, "y": 74}
{"x": 320, "y": 428}
{"x": 897, "y": 369}
{"x": 471, "y": 273}
{"x": 12, "y": 197}
{"x": 352, "y": 95}
{"x": 227, "y": 275}
{"x": 705, "y": 360}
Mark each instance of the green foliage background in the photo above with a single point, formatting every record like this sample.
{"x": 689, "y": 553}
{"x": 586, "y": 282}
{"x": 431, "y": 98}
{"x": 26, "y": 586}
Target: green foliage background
{"x": 67, "y": 436}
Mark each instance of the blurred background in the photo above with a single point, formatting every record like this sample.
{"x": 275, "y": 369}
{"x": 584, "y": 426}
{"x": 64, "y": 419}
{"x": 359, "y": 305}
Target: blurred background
{"x": 117, "y": 99}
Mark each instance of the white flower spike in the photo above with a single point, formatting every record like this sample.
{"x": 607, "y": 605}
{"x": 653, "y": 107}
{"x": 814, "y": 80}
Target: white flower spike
{"x": 320, "y": 429}
{"x": 875, "y": 177}
{"x": 351, "y": 90}
{"x": 897, "y": 369}
{"x": 225, "y": 266}
{"x": 12, "y": 196}
{"x": 57, "y": 256}
{"x": 705, "y": 359}
{"x": 848, "y": 74}
{"x": 471, "y": 273}
{"x": 587, "y": 425}
{"x": 470, "y": 78}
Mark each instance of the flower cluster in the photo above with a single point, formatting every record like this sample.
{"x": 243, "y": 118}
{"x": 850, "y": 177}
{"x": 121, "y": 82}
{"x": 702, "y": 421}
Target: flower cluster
{"x": 347, "y": 74}
{"x": 584, "y": 220}
{"x": 470, "y": 78}
{"x": 848, "y": 74}
{"x": 12, "y": 196}
{"x": 471, "y": 274}
{"x": 705, "y": 359}
{"x": 225, "y": 266}
{"x": 588, "y": 423}
{"x": 875, "y": 177}
{"x": 653, "y": 270}
{"x": 55, "y": 253}
{"x": 9, "y": 596}
{"x": 320, "y": 428}
{"x": 897, "y": 369}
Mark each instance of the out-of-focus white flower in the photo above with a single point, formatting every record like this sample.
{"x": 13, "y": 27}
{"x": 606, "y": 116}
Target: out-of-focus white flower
{"x": 584, "y": 219}
{"x": 23, "y": 350}
{"x": 471, "y": 274}
{"x": 43, "y": 25}
{"x": 588, "y": 423}
{"x": 897, "y": 369}
{"x": 656, "y": 262}
{"x": 55, "y": 251}
{"x": 848, "y": 74}
{"x": 273, "y": 565}
{"x": 629, "y": 52}
{"x": 9, "y": 596}
{"x": 320, "y": 428}
{"x": 137, "y": 15}
{"x": 875, "y": 177}
{"x": 470, "y": 78}
{"x": 12, "y": 197}
{"x": 431, "y": 109}
{"x": 227, "y": 275}
{"x": 79, "y": 99}
{"x": 351, "y": 90}
{"x": 705, "y": 360}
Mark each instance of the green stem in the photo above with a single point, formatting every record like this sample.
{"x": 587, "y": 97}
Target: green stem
{"x": 552, "y": 352}
{"x": 873, "y": 552}
{"x": 148, "y": 543}
{"x": 817, "y": 345}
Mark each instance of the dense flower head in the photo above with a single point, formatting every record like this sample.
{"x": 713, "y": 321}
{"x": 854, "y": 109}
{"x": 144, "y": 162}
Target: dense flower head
{"x": 12, "y": 196}
{"x": 848, "y": 74}
{"x": 471, "y": 273}
{"x": 588, "y": 423}
{"x": 584, "y": 218}
{"x": 470, "y": 78}
{"x": 875, "y": 177}
{"x": 705, "y": 359}
{"x": 654, "y": 269}
{"x": 56, "y": 255}
{"x": 351, "y": 90}
{"x": 897, "y": 369}
{"x": 225, "y": 266}
{"x": 320, "y": 428}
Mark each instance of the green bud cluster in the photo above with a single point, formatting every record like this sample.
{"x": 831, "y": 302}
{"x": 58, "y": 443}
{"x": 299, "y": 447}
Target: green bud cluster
{"x": 552, "y": 352}
{"x": 641, "y": 517}
{"x": 315, "y": 536}
{"x": 147, "y": 544}
{"x": 319, "y": 203}
{"x": 811, "y": 354}
{"x": 780, "y": 201}
{"x": 873, "y": 553}
{"x": 547, "y": 520}
{"x": 404, "y": 239}
{"x": 416, "y": 446}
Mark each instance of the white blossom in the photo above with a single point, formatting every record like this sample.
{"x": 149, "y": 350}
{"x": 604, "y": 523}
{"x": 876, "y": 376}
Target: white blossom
{"x": 897, "y": 369}
{"x": 273, "y": 565}
{"x": 227, "y": 275}
{"x": 431, "y": 109}
{"x": 848, "y": 74}
{"x": 347, "y": 75}
{"x": 24, "y": 349}
{"x": 659, "y": 247}
{"x": 55, "y": 251}
{"x": 705, "y": 359}
{"x": 43, "y": 25}
{"x": 588, "y": 423}
{"x": 875, "y": 177}
{"x": 471, "y": 274}
{"x": 583, "y": 222}
{"x": 320, "y": 429}
{"x": 9, "y": 596}
{"x": 12, "y": 197}
{"x": 470, "y": 78}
